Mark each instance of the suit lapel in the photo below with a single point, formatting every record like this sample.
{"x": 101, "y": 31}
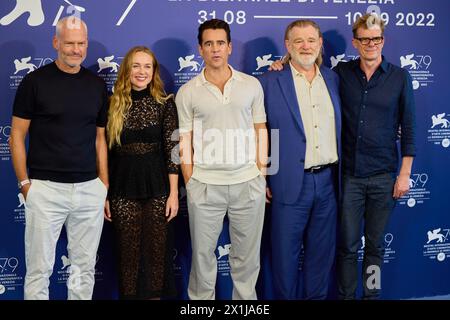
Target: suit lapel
{"x": 286, "y": 83}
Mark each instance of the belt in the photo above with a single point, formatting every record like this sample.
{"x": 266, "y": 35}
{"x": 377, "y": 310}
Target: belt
{"x": 317, "y": 169}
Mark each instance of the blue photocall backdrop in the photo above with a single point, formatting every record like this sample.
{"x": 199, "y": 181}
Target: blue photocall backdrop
{"x": 417, "y": 257}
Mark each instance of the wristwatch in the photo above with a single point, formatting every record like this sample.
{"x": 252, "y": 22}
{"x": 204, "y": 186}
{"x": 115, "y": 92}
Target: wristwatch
{"x": 20, "y": 184}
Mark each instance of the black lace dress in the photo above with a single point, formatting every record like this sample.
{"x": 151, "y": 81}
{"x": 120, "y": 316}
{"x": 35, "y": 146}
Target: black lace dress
{"x": 139, "y": 187}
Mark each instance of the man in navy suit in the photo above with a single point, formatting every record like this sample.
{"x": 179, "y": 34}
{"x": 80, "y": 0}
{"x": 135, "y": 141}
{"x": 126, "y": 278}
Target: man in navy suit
{"x": 302, "y": 102}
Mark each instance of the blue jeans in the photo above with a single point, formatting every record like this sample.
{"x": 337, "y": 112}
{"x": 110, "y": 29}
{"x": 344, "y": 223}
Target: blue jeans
{"x": 369, "y": 198}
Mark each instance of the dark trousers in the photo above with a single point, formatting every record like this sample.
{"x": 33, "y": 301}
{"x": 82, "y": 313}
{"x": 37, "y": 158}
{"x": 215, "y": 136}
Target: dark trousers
{"x": 310, "y": 222}
{"x": 370, "y": 199}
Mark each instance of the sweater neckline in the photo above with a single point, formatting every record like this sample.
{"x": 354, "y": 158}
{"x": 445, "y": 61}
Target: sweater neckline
{"x": 137, "y": 95}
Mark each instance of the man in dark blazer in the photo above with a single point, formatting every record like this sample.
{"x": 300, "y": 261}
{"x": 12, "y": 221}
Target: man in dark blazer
{"x": 302, "y": 103}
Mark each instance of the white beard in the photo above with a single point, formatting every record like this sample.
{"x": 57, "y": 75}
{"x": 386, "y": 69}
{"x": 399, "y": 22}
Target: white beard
{"x": 304, "y": 60}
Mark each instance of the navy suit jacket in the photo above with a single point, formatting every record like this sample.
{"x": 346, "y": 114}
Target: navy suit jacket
{"x": 283, "y": 113}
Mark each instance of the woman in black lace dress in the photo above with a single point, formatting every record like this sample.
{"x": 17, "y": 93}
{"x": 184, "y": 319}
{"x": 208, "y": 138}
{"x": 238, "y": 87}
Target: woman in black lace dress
{"x": 143, "y": 192}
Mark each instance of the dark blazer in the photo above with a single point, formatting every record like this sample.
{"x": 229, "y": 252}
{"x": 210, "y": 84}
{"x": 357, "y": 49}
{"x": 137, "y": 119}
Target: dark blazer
{"x": 283, "y": 113}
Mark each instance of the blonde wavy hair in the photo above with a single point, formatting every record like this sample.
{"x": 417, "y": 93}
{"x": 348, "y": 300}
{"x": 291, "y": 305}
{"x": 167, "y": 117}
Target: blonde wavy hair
{"x": 120, "y": 101}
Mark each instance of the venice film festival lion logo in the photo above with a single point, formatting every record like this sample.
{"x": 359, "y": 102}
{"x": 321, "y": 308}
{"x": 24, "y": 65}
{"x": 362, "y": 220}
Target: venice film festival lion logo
{"x": 188, "y": 62}
{"x": 437, "y": 246}
{"x": 439, "y": 129}
{"x": 408, "y": 61}
{"x": 439, "y": 120}
{"x": 223, "y": 250}
{"x": 24, "y": 64}
{"x": 32, "y": 7}
{"x": 263, "y": 61}
{"x": 334, "y": 60}
{"x": 418, "y": 66}
{"x": 36, "y": 15}
{"x": 436, "y": 235}
{"x": 107, "y": 62}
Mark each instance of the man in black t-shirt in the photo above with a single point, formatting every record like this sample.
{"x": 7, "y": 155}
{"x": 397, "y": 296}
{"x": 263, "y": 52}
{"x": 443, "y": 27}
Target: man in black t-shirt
{"x": 62, "y": 106}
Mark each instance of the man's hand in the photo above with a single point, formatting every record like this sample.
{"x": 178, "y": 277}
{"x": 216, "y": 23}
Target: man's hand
{"x": 276, "y": 66}
{"x": 186, "y": 156}
{"x": 187, "y": 177}
{"x": 401, "y": 186}
{"x": 25, "y": 189}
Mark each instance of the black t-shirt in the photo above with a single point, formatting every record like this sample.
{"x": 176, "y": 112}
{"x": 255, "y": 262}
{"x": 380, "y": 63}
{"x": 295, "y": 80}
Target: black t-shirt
{"x": 65, "y": 110}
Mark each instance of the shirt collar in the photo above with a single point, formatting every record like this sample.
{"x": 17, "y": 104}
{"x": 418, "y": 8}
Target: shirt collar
{"x": 202, "y": 79}
{"x": 384, "y": 66}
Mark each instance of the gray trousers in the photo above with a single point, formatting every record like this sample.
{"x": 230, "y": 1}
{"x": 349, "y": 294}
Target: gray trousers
{"x": 207, "y": 205}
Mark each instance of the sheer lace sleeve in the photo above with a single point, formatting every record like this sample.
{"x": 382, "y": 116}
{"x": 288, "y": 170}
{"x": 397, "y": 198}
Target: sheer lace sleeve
{"x": 171, "y": 136}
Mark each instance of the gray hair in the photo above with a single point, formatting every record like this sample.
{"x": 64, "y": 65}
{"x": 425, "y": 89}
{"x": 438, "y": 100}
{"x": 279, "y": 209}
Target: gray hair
{"x": 70, "y": 22}
{"x": 304, "y": 24}
{"x": 367, "y": 21}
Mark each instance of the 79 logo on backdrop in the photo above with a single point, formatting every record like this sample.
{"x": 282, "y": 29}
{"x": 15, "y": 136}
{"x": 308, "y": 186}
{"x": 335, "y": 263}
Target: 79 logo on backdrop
{"x": 23, "y": 66}
{"x": 418, "y": 190}
{"x": 418, "y": 67}
{"x": 9, "y": 279}
{"x": 437, "y": 247}
{"x": 8, "y": 265}
{"x": 5, "y": 133}
{"x": 334, "y": 60}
